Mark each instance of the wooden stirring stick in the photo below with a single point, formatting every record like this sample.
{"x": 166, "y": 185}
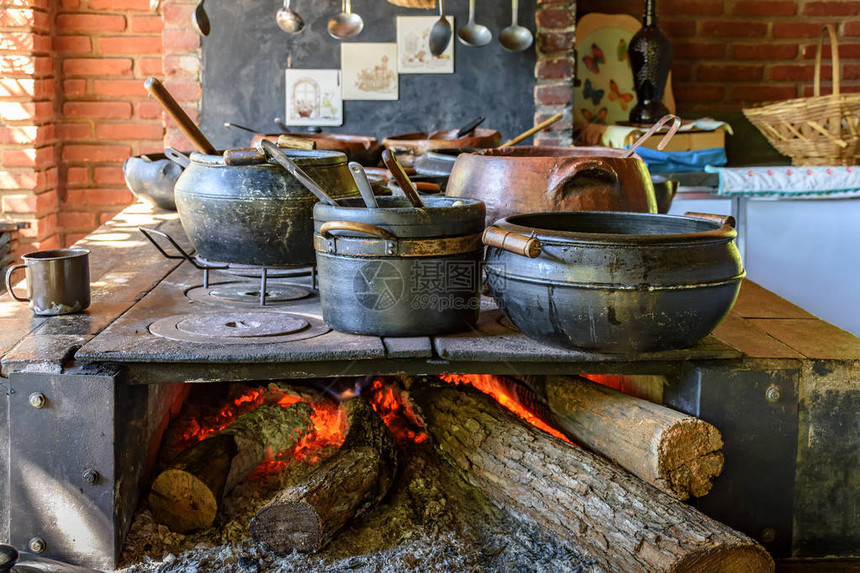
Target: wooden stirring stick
{"x": 539, "y": 127}
{"x": 157, "y": 90}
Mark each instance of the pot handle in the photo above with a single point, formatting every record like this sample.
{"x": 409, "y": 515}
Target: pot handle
{"x": 563, "y": 174}
{"x": 9, "y": 272}
{"x": 177, "y": 157}
{"x": 721, "y": 219}
{"x": 512, "y": 242}
{"x": 367, "y": 229}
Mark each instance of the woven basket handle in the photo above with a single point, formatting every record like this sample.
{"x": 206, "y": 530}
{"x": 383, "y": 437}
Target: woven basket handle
{"x": 834, "y": 56}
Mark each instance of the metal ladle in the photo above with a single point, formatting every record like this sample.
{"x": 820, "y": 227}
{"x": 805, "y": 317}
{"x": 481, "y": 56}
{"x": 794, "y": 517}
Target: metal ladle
{"x": 440, "y": 33}
{"x": 515, "y": 38}
{"x": 201, "y": 20}
{"x": 345, "y": 25}
{"x": 474, "y": 34}
{"x": 273, "y": 153}
{"x": 289, "y": 20}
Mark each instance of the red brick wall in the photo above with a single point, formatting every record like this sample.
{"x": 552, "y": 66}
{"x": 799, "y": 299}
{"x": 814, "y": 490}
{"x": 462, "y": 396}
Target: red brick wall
{"x": 729, "y": 54}
{"x": 28, "y": 156}
{"x": 104, "y": 49}
{"x": 73, "y": 106}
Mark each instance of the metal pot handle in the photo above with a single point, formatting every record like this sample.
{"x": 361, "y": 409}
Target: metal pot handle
{"x": 721, "y": 219}
{"x": 563, "y": 174}
{"x": 367, "y": 229}
{"x": 177, "y": 157}
{"x": 512, "y": 242}
{"x": 9, "y": 272}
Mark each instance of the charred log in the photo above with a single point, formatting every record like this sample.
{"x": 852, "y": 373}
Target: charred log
{"x": 677, "y": 453}
{"x": 619, "y": 521}
{"x": 186, "y": 495}
{"x": 306, "y": 516}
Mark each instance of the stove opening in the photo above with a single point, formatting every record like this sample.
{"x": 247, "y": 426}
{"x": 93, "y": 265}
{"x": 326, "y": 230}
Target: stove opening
{"x": 394, "y": 473}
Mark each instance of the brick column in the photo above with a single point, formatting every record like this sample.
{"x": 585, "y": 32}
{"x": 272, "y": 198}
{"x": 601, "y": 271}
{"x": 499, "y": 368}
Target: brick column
{"x": 554, "y": 71}
{"x": 28, "y": 172}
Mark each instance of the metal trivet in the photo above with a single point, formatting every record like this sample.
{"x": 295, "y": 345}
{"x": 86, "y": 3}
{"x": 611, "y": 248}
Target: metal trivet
{"x": 206, "y": 266}
{"x": 239, "y": 327}
{"x": 254, "y": 272}
{"x": 247, "y": 294}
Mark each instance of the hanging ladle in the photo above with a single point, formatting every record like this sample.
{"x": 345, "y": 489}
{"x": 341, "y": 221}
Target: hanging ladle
{"x": 515, "y": 38}
{"x": 289, "y": 20}
{"x": 440, "y": 32}
{"x": 473, "y": 34}
{"x": 345, "y": 25}
{"x": 271, "y": 152}
{"x": 201, "y": 20}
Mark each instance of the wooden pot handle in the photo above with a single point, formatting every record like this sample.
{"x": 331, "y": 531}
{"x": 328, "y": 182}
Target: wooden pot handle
{"x": 191, "y": 131}
{"x": 512, "y": 242}
{"x": 355, "y": 226}
{"x": 721, "y": 219}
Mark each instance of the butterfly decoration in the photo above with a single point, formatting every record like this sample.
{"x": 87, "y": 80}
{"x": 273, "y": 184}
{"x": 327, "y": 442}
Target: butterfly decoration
{"x": 599, "y": 117}
{"x": 615, "y": 95}
{"x": 590, "y": 93}
{"x": 622, "y": 50}
{"x": 596, "y": 58}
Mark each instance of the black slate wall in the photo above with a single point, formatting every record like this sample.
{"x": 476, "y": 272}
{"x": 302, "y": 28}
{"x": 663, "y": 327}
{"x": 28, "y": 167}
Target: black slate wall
{"x": 245, "y": 56}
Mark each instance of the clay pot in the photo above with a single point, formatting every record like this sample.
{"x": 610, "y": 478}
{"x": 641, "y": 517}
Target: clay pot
{"x": 409, "y": 146}
{"x": 526, "y": 179}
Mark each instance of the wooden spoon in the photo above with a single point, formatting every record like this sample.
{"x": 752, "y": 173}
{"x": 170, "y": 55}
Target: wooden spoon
{"x": 401, "y": 178}
{"x": 157, "y": 90}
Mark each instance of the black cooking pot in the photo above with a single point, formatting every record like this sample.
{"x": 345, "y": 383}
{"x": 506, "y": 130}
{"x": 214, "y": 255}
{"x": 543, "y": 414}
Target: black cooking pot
{"x": 152, "y": 177}
{"x": 399, "y": 270}
{"x": 613, "y": 282}
{"x": 256, "y": 214}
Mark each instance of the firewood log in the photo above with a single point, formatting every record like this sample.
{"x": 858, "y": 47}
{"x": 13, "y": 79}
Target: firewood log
{"x": 305, "y": 516}
{"x": 677, "y": 453}
{"x": 186, "y": 495}
{"x": 614, "y": 518}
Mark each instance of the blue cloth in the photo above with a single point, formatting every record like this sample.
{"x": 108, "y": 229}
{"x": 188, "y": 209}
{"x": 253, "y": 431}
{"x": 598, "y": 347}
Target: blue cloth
{"x": 681, "y": 161}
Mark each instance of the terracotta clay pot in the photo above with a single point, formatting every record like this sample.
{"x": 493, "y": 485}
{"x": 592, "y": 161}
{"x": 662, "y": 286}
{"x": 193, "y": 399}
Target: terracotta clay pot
{"x": 409, "y": 146}
{"x": 526, "y": 179}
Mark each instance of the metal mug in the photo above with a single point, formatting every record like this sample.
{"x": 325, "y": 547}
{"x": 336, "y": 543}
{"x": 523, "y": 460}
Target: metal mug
{"x": 58, "y": 281}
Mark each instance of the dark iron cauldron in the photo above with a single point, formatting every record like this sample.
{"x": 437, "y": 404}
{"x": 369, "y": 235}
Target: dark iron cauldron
{"x": 256, "y": 214}
{"x": 400, "y": 270}
{"x": 613, "y": 282}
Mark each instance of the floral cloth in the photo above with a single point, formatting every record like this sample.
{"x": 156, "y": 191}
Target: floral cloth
{"x": 789, "y": 181}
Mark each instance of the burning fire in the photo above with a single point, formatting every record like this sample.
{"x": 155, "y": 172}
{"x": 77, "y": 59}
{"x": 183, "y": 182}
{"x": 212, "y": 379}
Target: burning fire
{"x": 505, "y": 393}
{"x": 395, "y": 411}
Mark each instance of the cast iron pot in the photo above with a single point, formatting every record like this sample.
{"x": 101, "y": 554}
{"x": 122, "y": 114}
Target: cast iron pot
{"x": 513, "y": 180}
{"x": 152, "y": 177}
{"x": 256, "y": 214}
{"x": 361, "y": 148}
{"x": 613, "y": 282}
{"x": 399, "y": 270}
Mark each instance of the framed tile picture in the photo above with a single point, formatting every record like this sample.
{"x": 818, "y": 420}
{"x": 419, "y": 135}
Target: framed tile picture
{"x": 413, "y": 46}
{"x": 314, "y": 97}
{"x": 369, "y": 71}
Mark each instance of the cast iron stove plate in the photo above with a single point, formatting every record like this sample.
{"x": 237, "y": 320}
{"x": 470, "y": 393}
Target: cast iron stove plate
{"x": 246, "y": 293}
{"x": 238, "y": 327}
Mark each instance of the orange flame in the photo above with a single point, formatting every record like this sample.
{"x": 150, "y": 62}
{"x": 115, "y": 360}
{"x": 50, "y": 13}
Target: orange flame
{"x": 395, "y": 411}
{"x": 495, "y": 387}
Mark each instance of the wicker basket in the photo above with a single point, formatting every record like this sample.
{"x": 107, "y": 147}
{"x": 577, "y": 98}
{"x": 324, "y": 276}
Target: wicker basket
{"x": 425, "y": 4}
{"x": 818, "y": 130}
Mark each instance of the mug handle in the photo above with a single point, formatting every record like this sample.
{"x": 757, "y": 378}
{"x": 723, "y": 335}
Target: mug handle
{"x": 9, "y": 272}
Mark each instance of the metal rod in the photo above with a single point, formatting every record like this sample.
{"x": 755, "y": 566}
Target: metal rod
{"x": 264, "y": 278}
